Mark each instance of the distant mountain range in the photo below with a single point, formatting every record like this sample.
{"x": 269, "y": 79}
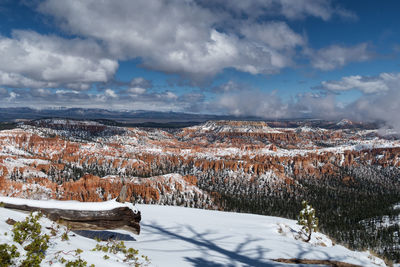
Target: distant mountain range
{"x": 158, "y": 119}
{"x": 136, "y": 116}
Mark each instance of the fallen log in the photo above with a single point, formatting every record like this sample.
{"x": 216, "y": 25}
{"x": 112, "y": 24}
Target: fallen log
{"x": 122, "y": 217}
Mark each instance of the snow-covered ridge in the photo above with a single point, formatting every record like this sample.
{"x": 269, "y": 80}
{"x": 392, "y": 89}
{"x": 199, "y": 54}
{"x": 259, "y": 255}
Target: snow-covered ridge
{"x": 234, "y": 126}
{"x": 344, "y": 122}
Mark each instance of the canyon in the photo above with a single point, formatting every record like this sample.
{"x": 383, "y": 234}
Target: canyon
{"x": 349, "y": 171}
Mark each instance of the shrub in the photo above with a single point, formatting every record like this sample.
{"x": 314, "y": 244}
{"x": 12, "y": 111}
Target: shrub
{"x": 131, "y": 255}
{"x": 7, "y": 255}
{"x": 29, "y": 233}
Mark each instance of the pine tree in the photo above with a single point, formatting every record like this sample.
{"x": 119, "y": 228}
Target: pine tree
{"x": 308, "y": 220}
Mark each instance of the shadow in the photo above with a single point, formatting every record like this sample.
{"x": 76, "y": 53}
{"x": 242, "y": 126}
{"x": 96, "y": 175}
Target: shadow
{"x": 208, "y": 247}
{"x": 200, "y": 262}
{"x": 104, "y": 235}
{"x": 306, "y": 253}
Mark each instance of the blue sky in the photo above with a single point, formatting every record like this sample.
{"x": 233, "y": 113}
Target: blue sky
{"x": 267, "y": 58}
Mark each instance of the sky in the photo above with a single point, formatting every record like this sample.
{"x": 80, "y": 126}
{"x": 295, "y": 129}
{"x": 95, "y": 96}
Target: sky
{"x": 274, "y": 59}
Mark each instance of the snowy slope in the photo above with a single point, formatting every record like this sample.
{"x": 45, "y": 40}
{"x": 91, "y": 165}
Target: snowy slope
{"x": 176, "y": 236}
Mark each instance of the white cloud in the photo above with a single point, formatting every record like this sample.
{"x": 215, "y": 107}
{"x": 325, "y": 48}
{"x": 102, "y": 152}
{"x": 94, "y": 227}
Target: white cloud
{"x": 18, "y": 80}
{"x": 337, "y": 56}
{"x": 269, "y": 105}
{"x": 230, "y": 86}
{"x": 180, "y": 36}
{"x": 250, "y": 103}
{"x": 378, "y": 102}
{"x": 322, "y": 106}
{"x": 140, "y": 82}
{"x": 110, "y": 93}
{"x": 276, "y": 35}
{"x": 366, "y": 84}
{"x": 78, "y": 86}
{"x": 383, "y": 107}
{"x": 67, "y": 92}
{"x": 170, "y": 95}
{"x": 29, "y": 59}
{"x": 136, "y": 90}
{"x": 12, "y": 97}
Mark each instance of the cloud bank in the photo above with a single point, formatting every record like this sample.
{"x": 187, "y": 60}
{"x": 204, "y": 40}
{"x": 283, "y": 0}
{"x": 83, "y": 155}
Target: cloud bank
{"x": 31, "y": 60}
{"x": 188, "y": 38}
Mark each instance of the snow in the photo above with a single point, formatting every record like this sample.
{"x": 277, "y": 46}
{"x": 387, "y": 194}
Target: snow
{"x": 56, "y": 244}
{"x": 177, "y": 236}
{"x": 68, "y": 204}
{"x": 233, "y": 126}
{"x": 192, "y": 237}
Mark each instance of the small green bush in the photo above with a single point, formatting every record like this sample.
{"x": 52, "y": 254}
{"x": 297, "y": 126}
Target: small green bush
{"x": 8, "y": 254}
{"x": 131, "y": 255}
{"x": 29, "y": 232}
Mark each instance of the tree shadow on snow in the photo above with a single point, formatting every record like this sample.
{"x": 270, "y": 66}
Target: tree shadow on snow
{"x": 205, "y": 263}
{"x": 208, "y": 246}
{"x": 104, "y": 235}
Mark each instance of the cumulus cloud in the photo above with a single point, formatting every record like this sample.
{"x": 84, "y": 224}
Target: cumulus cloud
{"x": 336, "y": 56}
{"x": 180, "y": 37}
{"x": 378, "y": 107}
{"x": 311, "y": 105}
{"x": 29, "y": 59}
{"x": 243, "y": 100}
{"x": 275, "y": 34}
{"x": 250, "y": 103}
{"x": 138, "y": 86}
{"x": 140, "y": 82}
{"x": 366, "y": 84}
{"x": 136, "y": 90}
{"x": 230, "y": 86}
{"x": 379, "y": 100}
{"x": 110, "y": 93}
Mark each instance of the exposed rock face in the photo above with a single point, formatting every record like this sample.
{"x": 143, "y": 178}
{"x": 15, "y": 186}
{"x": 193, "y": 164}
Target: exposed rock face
{"x": 85, "y": 161}
{"x": 123, "y": 197}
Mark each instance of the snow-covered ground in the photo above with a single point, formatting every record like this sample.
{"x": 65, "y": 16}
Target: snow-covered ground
{"x": 177, "y": 236}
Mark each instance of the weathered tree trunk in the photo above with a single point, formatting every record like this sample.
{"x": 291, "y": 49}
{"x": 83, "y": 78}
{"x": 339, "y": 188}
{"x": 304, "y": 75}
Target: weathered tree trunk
{"x": 309, "y": 236}
{"x": 118, "y": 218}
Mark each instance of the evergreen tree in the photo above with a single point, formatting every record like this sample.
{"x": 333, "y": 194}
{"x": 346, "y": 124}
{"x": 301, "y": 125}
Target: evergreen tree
{"x": 308, "y": 220}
